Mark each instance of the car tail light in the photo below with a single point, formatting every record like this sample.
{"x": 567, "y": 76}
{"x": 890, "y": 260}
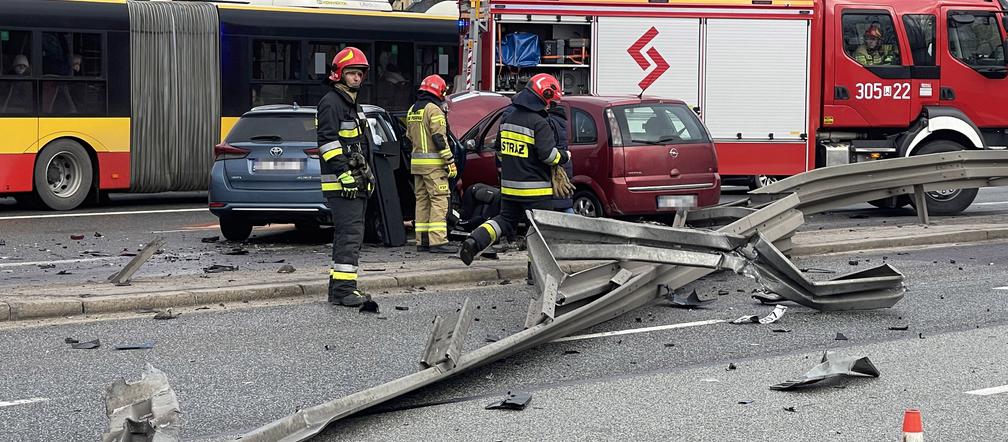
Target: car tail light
{"x": 617, "y": 136}
{"x": 214, "y": 204}
{"x": 224, "y": 151}
{"x": 312, "y": 153}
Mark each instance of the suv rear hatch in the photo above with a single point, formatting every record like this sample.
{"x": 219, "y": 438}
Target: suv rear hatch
{"x": 665, "y": 148}
{"x": 276, "y": 158}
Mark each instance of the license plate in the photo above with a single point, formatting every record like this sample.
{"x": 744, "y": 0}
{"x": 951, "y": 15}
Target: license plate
{"x": 278, "y": 165}
{"x": 676, "y": 201}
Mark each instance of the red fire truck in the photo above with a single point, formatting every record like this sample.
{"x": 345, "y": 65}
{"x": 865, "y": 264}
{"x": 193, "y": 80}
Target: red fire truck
{"x": 783, "y": 86}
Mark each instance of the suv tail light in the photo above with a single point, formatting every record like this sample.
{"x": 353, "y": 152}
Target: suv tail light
{"x": 312, "y": 153}
{"x": 224, "y": 151}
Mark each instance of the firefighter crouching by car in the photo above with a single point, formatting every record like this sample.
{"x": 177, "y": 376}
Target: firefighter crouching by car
{"x": 347, "y": 181}
{"x": 528, "y": 153}
{"x": 432, "y": 165}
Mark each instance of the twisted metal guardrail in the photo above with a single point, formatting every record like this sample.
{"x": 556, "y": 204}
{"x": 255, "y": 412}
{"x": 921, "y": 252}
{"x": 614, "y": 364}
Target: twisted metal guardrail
{"x": 641, "y": 258}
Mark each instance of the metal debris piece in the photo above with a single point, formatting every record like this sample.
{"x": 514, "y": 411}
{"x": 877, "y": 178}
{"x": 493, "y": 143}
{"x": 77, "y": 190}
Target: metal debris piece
{"x": 144, "y": 410}
{"x": 71, "y": 341}
{"x": 816, "y": 270}
{"x": 287, "y": 268}
{"x": 444, "y": 347}
{"x": 731, "y": 366}
{"x": 217, "y": 268}
{"x": 98, "y": 235}
{"x": 235, "y": 251}
{"x": 401, "y": 308}
{"x": 745, "y": 402}
{"x": 790, "y": 409}
{"x": 76, "y": 237}
{"x": 514, "y": 401}
{"x": 64, "y": 272}
{"x": 853, "y": 262}
{"x": 678, "y": 299}
{"x": 840, "y": 337}
{"x": 123, "y": 276}
{"x": 369, "y": 306}
{"x": 47, "y": 266}
{"x": 210, "y": 239}
{"x": 89, "y": 345}
{"x": 166, "y": 314}
{"x": 899, "y": 327}
{"x": 775, "y": 315}
{"x": 492, "y": 338}
{"x": 141, "y": 346}
{"x": 782, "y": 330}
{"x": 831, "y": 367}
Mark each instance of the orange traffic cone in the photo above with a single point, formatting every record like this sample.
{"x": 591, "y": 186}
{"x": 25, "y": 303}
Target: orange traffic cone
{"x": 913, "y": 430}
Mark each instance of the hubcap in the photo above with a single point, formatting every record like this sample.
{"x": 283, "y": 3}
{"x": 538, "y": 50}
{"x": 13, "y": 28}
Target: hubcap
{"x": 766, "y": 180}
{"x": 584, "y": 207}
{"x": 63, "y": 174}
{"x": 944, "y": 194}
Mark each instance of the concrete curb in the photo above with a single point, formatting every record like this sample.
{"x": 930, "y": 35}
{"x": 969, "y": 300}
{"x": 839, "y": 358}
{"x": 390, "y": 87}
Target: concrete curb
{"x": 15, "y": 310}
{"x": 900, "y": 241}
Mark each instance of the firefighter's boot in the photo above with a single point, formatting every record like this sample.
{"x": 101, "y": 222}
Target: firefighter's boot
{"x": 468, "y": 251}
{"x": 354, "y": 299}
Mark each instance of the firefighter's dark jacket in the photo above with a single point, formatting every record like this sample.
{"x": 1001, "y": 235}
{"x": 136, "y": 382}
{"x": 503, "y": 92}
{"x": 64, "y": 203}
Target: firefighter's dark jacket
{"x": 528, "y": 150}
{"x": 342, "y": 130}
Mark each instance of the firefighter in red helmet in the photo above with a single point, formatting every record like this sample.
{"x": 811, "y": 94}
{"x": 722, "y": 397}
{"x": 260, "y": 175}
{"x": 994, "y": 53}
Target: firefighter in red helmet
{"x": 528, "y": 151}
{"x": 347, "y": 182}
{"x": 432, "y": 165}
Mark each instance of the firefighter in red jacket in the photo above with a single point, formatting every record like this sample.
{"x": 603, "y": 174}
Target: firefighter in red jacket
{"x": 528, "y": 151}
{"x": 346, "y": 177}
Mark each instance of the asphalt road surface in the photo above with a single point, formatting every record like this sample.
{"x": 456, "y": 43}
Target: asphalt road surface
{"x": 235, "y": 368}
{"x": 33, "y": 239}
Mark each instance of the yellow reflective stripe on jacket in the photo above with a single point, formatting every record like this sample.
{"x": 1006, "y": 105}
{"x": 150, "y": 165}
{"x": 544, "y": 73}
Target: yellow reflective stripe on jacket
{"x": 509, "y": 135}
{"x": 328, "y": 187}
{"x": 438, "y": 119}
{"x": 446, "y": 154}
{"x": 331, "y": 153}
{"x": 426, "y": 159}
{"x": 342, "y": 276}
{"x": 554, "y": 157}
{"x": 526, "y": 188}
{"x": 350, "y": 133}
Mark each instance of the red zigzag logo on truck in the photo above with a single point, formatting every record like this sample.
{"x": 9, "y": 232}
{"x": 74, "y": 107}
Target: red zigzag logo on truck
{"x": 636, "y": 52}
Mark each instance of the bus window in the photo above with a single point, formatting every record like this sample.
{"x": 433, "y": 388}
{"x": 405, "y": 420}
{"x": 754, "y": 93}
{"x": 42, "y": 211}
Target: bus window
{"x": 393, "y": 76}
{"x": 71, "y": 54}
{"x": 15, "y": 53}
{"x": 320, "y": 60}
{"x": 275, "y": 60}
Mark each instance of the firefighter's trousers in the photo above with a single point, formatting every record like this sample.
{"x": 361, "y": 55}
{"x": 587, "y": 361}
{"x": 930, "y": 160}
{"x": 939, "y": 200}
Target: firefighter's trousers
{"x": 348, "y": 234}
{"x": 504, "y": 224}
{"x": 431, "y": 191}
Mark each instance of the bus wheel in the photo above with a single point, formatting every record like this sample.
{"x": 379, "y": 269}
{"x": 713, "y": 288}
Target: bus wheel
{"x": 946, "y": 201}
{"x": 63, "y": 175}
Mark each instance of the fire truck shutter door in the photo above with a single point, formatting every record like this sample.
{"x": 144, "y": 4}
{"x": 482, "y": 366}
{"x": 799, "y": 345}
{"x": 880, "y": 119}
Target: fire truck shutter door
{"x": 757, "y": 79}
{"x": 662, "y": 54}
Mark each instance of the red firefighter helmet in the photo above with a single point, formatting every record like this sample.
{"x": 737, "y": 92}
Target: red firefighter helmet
{"x": 349, "y": 57}
{"x": 873, "y": 31}
{"x": 546, "y": 87}
{"x": 435, "y": 85}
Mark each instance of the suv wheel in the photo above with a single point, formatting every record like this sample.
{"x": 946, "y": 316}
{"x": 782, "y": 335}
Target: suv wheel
{"x": 586, "y": 204}
{"x": 235, "y": 230}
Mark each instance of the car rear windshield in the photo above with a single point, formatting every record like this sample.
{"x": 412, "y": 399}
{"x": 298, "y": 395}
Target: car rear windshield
{"x": 274, "y": 128}
{"x": 657, "y": 123}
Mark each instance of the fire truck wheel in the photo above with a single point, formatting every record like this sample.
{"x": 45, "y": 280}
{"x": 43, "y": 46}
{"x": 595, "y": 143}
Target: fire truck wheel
{"x": 586, "y": 204}
{"x": 63, "y": 175}
{"x": 759, "y": 181}
{"x": 948, "y": 201}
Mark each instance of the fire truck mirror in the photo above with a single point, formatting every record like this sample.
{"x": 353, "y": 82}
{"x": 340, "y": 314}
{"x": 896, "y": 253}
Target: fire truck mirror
{"x": 963, "y": 19}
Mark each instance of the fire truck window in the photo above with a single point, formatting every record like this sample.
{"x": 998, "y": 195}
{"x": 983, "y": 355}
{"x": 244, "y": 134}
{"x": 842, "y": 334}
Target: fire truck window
{"x": 584, "y": 128}
{"x": 975, "y": 38}
{"x": 920, "y": 29}
{"x": 870, "y": 39}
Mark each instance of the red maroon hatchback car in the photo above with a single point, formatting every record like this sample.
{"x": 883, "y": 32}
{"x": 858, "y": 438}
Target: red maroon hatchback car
{"x": 632, "y": 156}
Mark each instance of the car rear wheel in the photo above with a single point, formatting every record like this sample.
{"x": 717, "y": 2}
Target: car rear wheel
{"x": 586, "y": 204}
{"x": 235, "y": 230}
{"x": 63, "y": 175}
{"x": 760, "y": 181}
{"x": 946, "y": 201}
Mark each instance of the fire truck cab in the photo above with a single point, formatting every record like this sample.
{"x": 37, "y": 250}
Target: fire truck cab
{"x": 783, "y": 86}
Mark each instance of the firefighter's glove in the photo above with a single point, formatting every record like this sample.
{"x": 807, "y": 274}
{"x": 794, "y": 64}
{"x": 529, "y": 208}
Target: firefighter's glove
{"x": 562, "y": 186}
{"x": 349, "y": 185}
{"x": 452, "y": 170}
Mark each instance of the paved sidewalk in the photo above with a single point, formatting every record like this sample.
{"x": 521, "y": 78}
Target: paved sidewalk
{"x": 384, "y": 270}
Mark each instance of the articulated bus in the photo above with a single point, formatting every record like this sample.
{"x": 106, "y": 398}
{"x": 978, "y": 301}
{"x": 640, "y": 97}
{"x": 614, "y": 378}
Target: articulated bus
{"x": 131, "y": 96}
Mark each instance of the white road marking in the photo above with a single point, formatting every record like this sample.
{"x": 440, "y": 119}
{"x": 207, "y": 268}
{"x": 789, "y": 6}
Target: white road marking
{"x": 994, "y": 203}
{"x": 22, "y": 401}
{"x": 989, "y": 391}
{"x": 640, "y": 330}
{"x": 65, "y": 261}
{"x": 74, "y": 215}
{"x": 1000, "y": 288}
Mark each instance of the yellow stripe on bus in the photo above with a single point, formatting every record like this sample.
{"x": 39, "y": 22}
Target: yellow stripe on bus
{"x": 20, "y": 135}
{"x": 102, "y": 134}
